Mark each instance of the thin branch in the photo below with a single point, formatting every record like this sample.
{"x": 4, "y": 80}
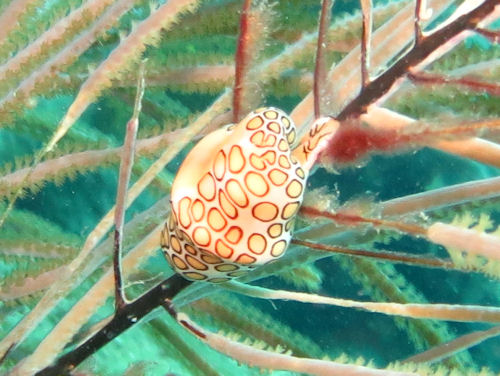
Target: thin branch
{"x": 123, "y": 320}
{"x": 470, "y": 83}
{"x": 492, "y": 35}
{"x": 442, "y": 197}
{"x": 437, "y": 311}
{"x": 6, "y": 353}
{"x": 366, "y": 36}
{"x": 417, "y": 55}
{"x": 419, "y": 9}
{"x": 397, "y": 257}
{"x": 121, "y": 195}
{"x": 272, "y": 360}
{"x": 241, "y": 61}
{"x": 354, "y": 220}
{"x": 320, "y": 67}
{"x": 450, "y": 348}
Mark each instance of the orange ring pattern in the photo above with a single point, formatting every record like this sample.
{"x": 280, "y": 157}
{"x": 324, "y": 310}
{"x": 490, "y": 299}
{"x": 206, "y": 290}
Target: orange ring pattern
{"x": 234, "y": 199}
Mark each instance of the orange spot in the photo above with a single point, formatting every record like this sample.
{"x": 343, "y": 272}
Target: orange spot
{"x": 285, "y": 121}
{"x": 194, "y": 275}
{"x": 269, "y": 156}
{"x": 236, "y": 159}
{"x": 198, "y": 210}
{"x": 256, "y": 184}
{"x": 255, "y": 123}
{"x": 275, "y": 230}
{"x": 222, "y": 249}
{"x": 195, "y": 263}
{"x": 164, "y": 237}
{"x": 210, "y": 259}
{"x": 206, "y": 187}
{"x": 274, "y": 127}
{"x": 289, "y": 225}
{"x": 294, "y": 189}
{"x": 234, "y": 234}
{"x": 265, "y": 211}
{"x": 218, "y": 280}
{"x": 284, "y": 162}
{"x": 178, "y": 233}
{"x": 283, "y": 145}
{"x": 278, "y": 248}
{"x": 238, "y": 273}
{"x": 257, "y": 243}
{"x": 172, "y": 223}
{"x": 257, "y": 162}
{"x": 183, "y": 235}
{"x": 236, "y": 193}
{"x": 258, "y": 139}
{"x": 179, "y": 264}
{"x": 220, "y": 165}
{"x": 226, "y": 206}
{"x": 201, "y": 236}
{"x": 300, "y": 172}
{"x": 270, "y": 140}
{"x": 175, "y": 244}
{"x": 190, "y": 249}
{"x": 290, "y": 137}
{"x": 245, "y": 259}
{"x": 277, "y": 177}
{"x": 216, "y": 220}
{"x": 226, "y": 267}
{"x": 290, "y": 209}
{"x": 184, "y": 218}
{"x": 271, "y": 114}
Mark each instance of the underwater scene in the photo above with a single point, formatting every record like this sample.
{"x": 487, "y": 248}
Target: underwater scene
{"x": 222, "y": 187}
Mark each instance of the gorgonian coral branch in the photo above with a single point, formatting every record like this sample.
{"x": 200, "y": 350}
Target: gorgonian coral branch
{"x": 124, "y": 319}
{"x": 440, "y": 40}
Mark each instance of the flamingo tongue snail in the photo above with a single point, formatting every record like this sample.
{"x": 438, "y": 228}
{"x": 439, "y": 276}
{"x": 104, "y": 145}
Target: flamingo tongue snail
{"x": 236, "y": 194}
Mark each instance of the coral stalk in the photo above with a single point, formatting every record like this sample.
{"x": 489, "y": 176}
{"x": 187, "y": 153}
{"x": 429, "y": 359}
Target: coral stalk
{"x": 442, "y": 197}
{"x": 450, "y": 312}
{"x": 320, "y": 66}
{"x": 470, "y": 241}
{"x": 121, "y": 195}
{"x": 81, "y": 312}
{"x": 270, "y": 360}
{"x": 452, "y": 347}
{"x": 242, "y": 60}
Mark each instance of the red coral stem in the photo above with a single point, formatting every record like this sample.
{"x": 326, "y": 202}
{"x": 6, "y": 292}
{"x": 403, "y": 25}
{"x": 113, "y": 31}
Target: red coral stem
{"x": 241, "y": 61}
{"x": 470, "y": 83}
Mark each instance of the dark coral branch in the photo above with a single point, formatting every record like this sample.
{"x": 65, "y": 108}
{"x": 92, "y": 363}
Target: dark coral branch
{"x": 123, "y": 319}
{"x": 418, "y": 17}
{"x": 470, "y": 83}
{"x": 417, "y": 55}
{"x": 397, "y": 257}
{"x": 320, "y": 67}
{"x": 355, "y": 220}
{"x": 492, "y": 35}
{"x": 241, "y": 61}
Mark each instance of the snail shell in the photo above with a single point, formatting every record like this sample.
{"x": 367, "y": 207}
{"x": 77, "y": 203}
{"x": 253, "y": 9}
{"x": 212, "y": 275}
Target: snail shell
{"x": 234, "y": 199}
